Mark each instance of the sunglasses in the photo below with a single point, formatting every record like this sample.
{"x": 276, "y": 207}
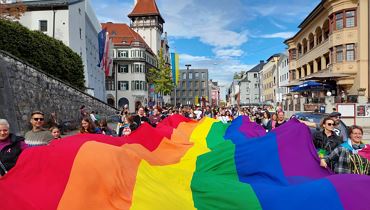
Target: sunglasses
{"x": 330, "y": 124}
{"x": 38, "y": 119}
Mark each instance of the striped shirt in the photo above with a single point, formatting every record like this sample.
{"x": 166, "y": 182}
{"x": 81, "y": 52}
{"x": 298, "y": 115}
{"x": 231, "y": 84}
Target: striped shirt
{"x": 37, "y": 138}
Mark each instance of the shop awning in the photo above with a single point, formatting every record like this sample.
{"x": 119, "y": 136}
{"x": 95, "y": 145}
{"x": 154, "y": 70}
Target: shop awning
{"x": 323, "y": 75}
{"x": 310, "y": 86}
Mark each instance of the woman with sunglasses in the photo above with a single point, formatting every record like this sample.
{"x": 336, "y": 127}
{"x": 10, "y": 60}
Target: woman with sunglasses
{"x": 326, "y": 140}
{"x": 345, "y": 158}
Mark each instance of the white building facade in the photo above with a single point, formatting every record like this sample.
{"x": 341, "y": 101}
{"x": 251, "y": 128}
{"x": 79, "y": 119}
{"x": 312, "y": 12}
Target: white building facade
{"x": 132, "y": 59}
{"x": 75, "y": 24}
{"x": 283, "y": 72}
{"x": 254, "y": 85}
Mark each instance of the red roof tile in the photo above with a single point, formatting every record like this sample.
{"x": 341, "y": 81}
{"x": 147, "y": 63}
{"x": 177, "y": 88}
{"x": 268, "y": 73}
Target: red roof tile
{"x": 123, "y": 35}
{"x": 145, "y": 8}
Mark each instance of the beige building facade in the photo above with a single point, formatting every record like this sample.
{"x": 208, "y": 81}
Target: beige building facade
{"x": 333, "y": 46}
{"x": 269, "y": 79}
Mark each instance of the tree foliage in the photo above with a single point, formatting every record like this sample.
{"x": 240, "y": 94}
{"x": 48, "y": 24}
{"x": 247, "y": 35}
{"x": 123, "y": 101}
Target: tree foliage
{"x": 161, "y": 77}
{"x": 11, "y": 11}
{"x": 43, "y": 52}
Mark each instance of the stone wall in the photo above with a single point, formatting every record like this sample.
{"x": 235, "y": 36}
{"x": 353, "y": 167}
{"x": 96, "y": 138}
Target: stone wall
{"x": 24, "y": 89}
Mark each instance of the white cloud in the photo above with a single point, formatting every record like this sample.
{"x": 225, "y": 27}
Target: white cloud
{"x": 283, "y": 35}
{"x": 278, "y": 25}
{"x": 190, "y": 58}
{"x": 226, "y": 53}
{"x": 210, "y": 23}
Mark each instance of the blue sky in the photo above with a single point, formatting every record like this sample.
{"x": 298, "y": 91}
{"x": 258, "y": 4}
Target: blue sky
{"x": 224, "y": 36}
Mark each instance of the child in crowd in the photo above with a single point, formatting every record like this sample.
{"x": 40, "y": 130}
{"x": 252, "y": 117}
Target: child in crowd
{"x": 55, "y": 132}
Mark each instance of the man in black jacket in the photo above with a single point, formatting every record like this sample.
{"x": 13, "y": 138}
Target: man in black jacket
{"x": 140, "y": 118}
{"x": 11, "y": 147}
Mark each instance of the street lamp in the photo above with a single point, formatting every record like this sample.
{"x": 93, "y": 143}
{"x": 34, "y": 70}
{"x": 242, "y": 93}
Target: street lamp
{"x": 328, "y": 93}
{"x": 296, "y": 96}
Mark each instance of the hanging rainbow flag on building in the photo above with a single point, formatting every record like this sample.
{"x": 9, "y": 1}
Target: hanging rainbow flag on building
{"x": 182, "y": 164}
{"x": 175, "y": 68}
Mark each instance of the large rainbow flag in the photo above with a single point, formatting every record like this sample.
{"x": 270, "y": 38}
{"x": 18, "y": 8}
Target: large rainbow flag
{"x": 182, "y": 164}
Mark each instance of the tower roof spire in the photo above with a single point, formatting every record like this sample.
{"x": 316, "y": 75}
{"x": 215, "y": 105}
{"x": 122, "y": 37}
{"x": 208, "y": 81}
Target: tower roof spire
{"x": 145, "y": 8}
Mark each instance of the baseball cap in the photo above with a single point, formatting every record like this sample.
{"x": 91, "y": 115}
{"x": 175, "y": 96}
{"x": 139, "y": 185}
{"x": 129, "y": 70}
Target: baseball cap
{"x": 335, "y": 114}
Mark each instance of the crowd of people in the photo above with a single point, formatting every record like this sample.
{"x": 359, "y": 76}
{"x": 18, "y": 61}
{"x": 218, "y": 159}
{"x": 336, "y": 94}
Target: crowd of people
{"x": 335, "y": 152}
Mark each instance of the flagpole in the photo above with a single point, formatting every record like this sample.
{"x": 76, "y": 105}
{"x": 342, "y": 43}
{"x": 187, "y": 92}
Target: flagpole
{"x": 175, "y": 94}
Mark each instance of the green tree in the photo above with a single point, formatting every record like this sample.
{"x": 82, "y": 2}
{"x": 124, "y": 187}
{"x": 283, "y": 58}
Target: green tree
{"x": 161, "y": 77}
{"x": 43, "y": 52}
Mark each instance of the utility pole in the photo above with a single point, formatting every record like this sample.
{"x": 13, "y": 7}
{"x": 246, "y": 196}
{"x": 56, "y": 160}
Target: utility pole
{"x": 187, "y": 79}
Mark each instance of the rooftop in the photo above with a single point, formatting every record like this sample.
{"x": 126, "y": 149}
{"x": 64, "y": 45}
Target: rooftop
{"x": 258, "y": 67}
{"x": 123, "y": 35}
{"x": 145, "y": 8}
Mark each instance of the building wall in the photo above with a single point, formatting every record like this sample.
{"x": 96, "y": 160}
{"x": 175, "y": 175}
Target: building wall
{"x": 269, "y": 73}
{"x": 283, "y": 75}
{"x": 244, "y": 92}
{"x": 96, "y": 75}
{"x": 132, "y": 60}
{"x": 323, "y": 55}
{"x": 254, "y": 87}
{"x": 190, "y": 87}
{"x": 31, "y": 21}
{"x": 77, "y": 27}
{"x": 24, "y": 89}
{"x": 151, "y": 35}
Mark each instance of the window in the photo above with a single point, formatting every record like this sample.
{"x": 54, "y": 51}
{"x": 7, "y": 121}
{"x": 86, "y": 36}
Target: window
{"x": 183, "y": 84}
{"x": 190, "y": 75}
{"x": 350, "y": 52}
{"x": 203, "y": 75}
{"x": 109, "y": 85}
{"x": 122, "y": 68}
{"x": 196, "y": 75}
{"x": 339, "y": 52}
{"x": 339, "y": 21}
{"x": 43, "y": 25}
{"x": 255, "y": 75}
{"x": 350, "y": 19}
{"x": 255, "y": 85}
{"x": 138, "y": 68}
{"x": 183, "y": 76}
{"x": 122, "y": 53}
{"x": 122, "y": 85}
{"x": 203, "y": 84}
{"x": 80, "y": 33}
{"x": 139, "y": 85}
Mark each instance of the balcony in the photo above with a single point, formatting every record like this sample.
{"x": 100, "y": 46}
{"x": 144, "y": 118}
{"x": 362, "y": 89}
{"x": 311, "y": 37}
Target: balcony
{"x": 312, "y": 54}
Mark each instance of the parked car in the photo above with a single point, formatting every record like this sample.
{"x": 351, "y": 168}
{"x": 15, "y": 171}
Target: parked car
{"x": 316, "y": 118}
